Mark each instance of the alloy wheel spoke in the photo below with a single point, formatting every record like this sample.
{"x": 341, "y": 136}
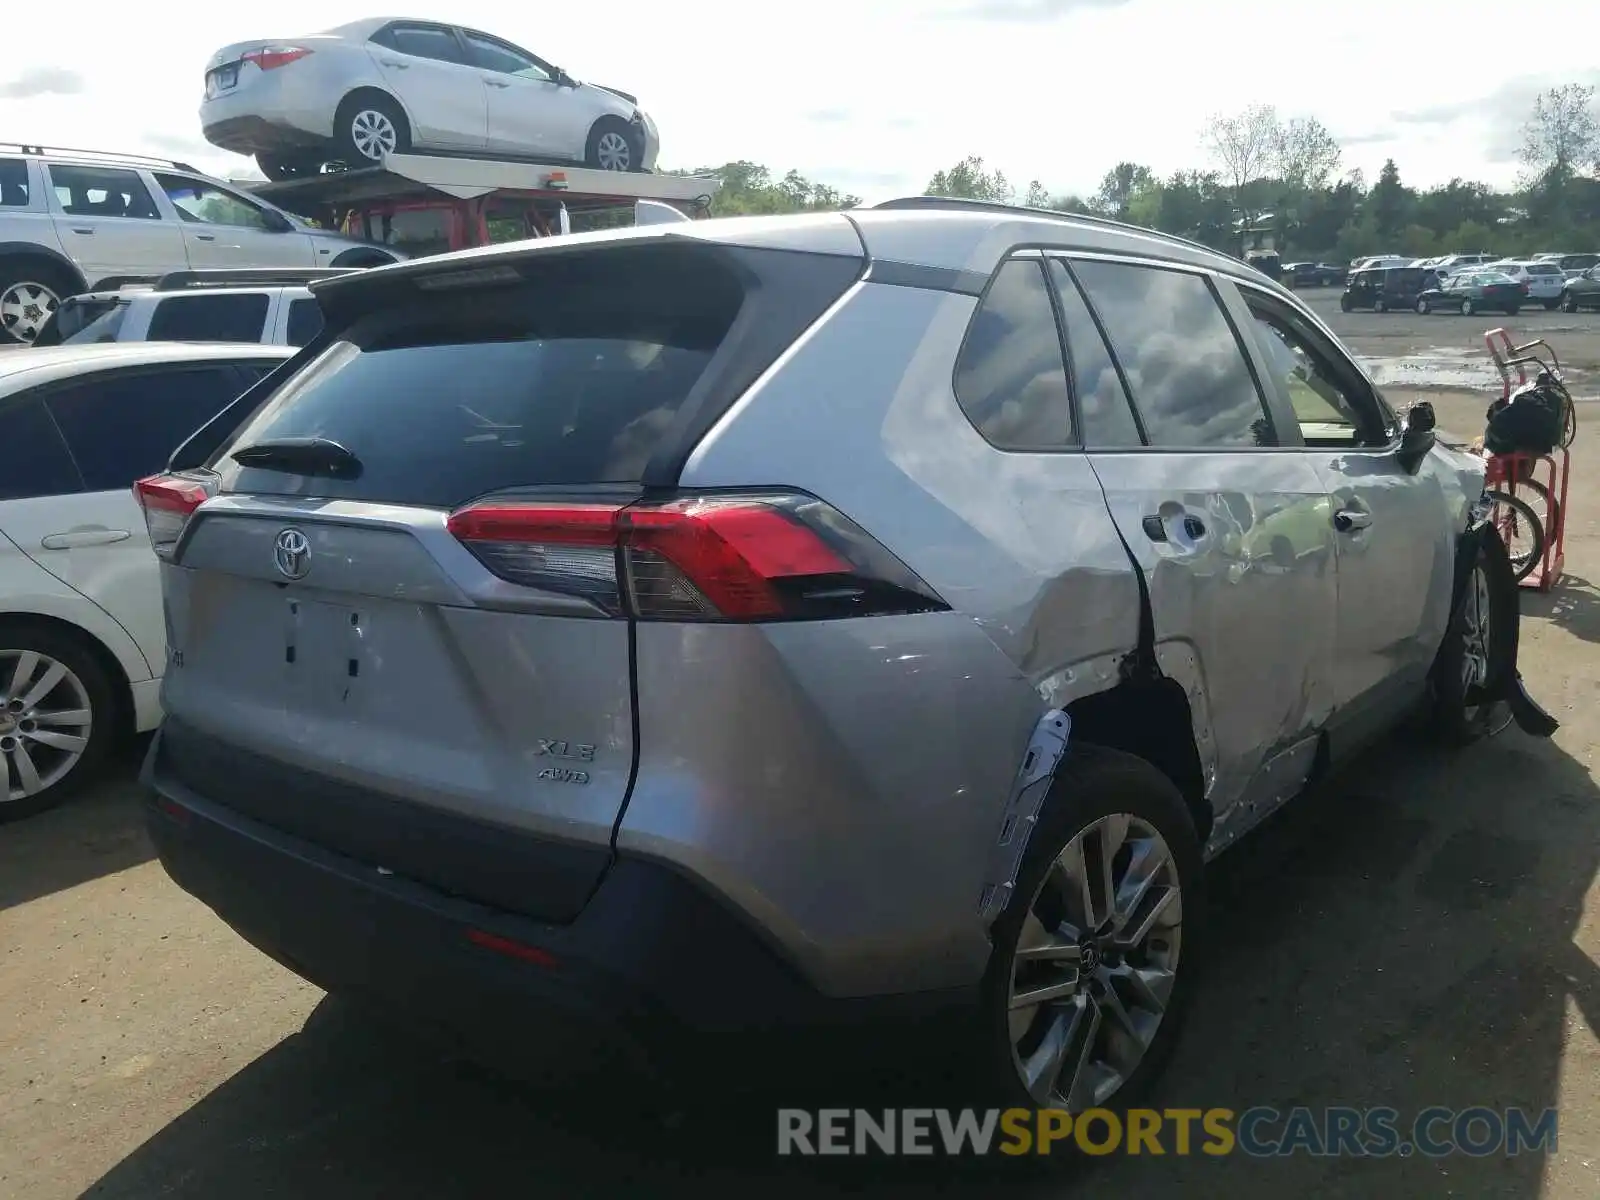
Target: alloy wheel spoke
{"x": 44, "y": 685}
{"x": 27, "y": 664}
{"x": 1158, "y": 912}
{"x": 1043, "y": 1066}
{"x": 1082, "y": 1090}
{"x": 1149, "y": 857}
{"x": 71, "y": 743}
{"x": 27, "y": 773}
{"x": 70, "y": 717}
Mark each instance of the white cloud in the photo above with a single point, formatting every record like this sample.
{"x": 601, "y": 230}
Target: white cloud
{"x": 874, "y": 96}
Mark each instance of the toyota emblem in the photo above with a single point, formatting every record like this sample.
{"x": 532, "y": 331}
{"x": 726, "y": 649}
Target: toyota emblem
{"x": 292, "y": 553}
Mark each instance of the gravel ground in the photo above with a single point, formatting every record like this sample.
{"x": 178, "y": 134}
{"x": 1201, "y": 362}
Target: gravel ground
{"x": 1420, "y": 932}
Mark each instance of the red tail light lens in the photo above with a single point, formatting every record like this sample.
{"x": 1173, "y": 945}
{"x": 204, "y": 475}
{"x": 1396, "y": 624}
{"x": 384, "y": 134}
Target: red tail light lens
{"x": 168, "y": 501}
{"x": 270, "y": 58}
{"x": 701, "y": 558}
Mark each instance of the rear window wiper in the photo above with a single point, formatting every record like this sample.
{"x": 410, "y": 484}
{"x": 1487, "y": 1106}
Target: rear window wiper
{"x": 300, "y": 456}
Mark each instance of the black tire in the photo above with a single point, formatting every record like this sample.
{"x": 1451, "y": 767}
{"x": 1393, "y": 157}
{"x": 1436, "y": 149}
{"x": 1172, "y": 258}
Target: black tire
{"x": 363, "y": 258}
{"x": 1550, "y": 305}
{"x": 1423, "y": 306}
{"x": 30, "y": 290}
{"x": 278, "y": 167}
{"x": 20, "y": 636}
{"x": 1458, "y": 712}
{"x": 1344, "y": 303}
{"x": 1518, "y": 514}
{"x": 613, "y": 146}
{"x": 1569, "y": 304}
{"x": 1092, "y": 782}
{"x": 1513, "y": 310}
{"x": 364, "y": 113}
{"x": 1380, "y": 305}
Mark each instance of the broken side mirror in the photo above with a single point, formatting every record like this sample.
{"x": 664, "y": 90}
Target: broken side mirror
{"x": 1418, "y": 436}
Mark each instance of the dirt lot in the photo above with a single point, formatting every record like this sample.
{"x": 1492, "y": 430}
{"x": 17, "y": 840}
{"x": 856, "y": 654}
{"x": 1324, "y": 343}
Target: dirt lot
{"x": 1421, "y": 933}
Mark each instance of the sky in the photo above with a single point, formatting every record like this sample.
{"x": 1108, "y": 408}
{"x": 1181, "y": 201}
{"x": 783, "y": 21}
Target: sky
{"x": 874, "y": 96}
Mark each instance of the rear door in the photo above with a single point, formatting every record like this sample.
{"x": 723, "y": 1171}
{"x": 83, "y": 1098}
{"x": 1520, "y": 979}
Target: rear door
{"x": 1225, "y": 515}
{"x": 109, "y": 223}
{"x": 86, "y": 529}
{"x": 425, "y": 65}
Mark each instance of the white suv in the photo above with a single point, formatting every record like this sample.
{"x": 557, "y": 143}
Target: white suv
{"x": 71, "y": 218}
{"x": 271, "y": 307}
{"x": 1543, "y": 280}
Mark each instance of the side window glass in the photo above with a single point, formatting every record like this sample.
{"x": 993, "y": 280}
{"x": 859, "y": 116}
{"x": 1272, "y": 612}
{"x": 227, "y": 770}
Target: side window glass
{"x": 101, "y": 192}
{"x": 1103, "y": 407}
{"x": 492, "y": 56}
{"x": 207, "y": 205}
{"x": 33, "y": 458}
{"x": 1010, "y": 378}
{"x": 122, "y": 427}
{"x": 1190, "y": 380}
{"x": 425, "y": 41}
{"x": 1327, "y": 413}
{"x": 219, "y": 317}
{"x": 305, "y": 322}
{"x": 13, "y": 183}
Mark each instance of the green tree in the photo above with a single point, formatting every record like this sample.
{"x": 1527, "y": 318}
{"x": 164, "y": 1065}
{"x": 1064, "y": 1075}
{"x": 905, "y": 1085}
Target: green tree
{"x": 969, "y": 179}
{"x": 749, "y": 189}
{"x": 1121, "y": 185}
{"x": 1390, "y": 202}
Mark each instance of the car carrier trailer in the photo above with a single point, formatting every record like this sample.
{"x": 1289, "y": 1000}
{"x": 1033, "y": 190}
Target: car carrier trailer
{"x": 427, "y": 204}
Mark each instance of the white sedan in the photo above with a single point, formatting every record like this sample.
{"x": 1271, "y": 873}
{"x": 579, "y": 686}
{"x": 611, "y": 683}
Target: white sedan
{"x": 361, "y": 91}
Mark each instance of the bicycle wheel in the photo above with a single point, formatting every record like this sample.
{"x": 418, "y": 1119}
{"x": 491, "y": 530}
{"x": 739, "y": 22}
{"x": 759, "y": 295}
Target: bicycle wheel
{"x": 1520, "y": 530}
{"x": 1544, "y": 505}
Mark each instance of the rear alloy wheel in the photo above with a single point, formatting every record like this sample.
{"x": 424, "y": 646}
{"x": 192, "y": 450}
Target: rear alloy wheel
{"x": 1091, "y": 963}
{"x": 1424, "y": 307}
{"x": 28, "y": 295}
{"x": 1381, "y": 305}
{"x": 55, "y": 719}
{"x": 1466, "y": 308}
{"x": 370, "y": 128}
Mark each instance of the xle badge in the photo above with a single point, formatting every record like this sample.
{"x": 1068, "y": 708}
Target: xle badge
{"x": 573, "y": 752}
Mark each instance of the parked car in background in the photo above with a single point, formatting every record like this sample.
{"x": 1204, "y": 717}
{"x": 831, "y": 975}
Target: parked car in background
{"x": 194, "y": 306}
{"x": 1310, "y": 274}
{"x": 1447, "y": 265}
{"x": 69, "y": 219}
{"x": 1581, "y": 292}
{"x": 380, "y": 86}
{"x": 1470, "y": 291}
{"x": 1385, "y": 288}
{"x": 955, "y": 760}
{"x": 1376, "y": 260}
{"x": 82, "y": 638}
{"x": 1572, "y": 265}
{"x": 1543, "y": 280}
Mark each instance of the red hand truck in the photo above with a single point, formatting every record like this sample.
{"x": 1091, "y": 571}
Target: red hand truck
{"x": 1506, "y": 471}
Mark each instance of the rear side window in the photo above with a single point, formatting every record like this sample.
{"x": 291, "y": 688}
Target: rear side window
{"x": 1189, "y": 377}
{"x": 1010, "y": 378}
{"x": 101, "y": 192}
{"x": 126, "y": 425}
{"x": 1103, "y": 407}
{"x": 218, "y": 317}
{"x": 13, "y": 183}
{"x": 507, "y": 387}
{"x": 33, "y": 458}
{"x": 305, "y": 322}
{"x": 423, "y": 41}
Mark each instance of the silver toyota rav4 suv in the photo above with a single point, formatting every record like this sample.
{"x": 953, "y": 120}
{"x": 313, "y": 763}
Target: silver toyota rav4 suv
{"x": 757, "y": 622}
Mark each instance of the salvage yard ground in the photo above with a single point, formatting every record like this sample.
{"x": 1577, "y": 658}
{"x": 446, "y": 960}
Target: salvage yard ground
{"x": 1422, "y": 932}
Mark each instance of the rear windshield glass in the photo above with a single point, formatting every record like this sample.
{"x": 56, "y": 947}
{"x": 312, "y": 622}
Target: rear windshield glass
{"x": 80, "y": 319}
{"x": 524, "y": 394}
{"x": 1544, "y": 269}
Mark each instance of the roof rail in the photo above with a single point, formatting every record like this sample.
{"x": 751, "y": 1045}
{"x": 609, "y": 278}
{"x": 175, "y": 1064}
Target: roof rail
{"x": 245, "y": 276}
{"x": 116, "y": 283}
{"x": 961, "y": 204}
{"x": 111, "y": 155}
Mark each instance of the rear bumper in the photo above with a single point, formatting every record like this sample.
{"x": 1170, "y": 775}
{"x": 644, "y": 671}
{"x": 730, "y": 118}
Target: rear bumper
{"x": 249, "y": 133}
{"x": 651, "y": 958}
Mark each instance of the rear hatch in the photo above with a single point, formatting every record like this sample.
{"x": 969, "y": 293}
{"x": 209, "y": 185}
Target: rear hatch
{"x": 371, "y": 645}
{"x": 82, "y": 319}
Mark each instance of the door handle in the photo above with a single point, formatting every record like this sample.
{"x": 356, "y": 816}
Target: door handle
{"x": 496, "y": 83}
{"x": 84, "y": 535}
{"x": 205, "y": 237}
{"x": 398, "y": 66}
{"x": 1347, "y": 520}
{"x": 80, "y": 229}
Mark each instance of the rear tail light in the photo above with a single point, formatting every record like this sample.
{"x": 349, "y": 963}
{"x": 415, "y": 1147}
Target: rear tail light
{"x": 270, "y": 58}
{"x": 698, "y": 558}
{"x": 168, "y": 501}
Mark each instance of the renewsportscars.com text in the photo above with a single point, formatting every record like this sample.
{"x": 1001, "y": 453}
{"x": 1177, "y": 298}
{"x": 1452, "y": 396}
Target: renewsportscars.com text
{"x": 1260, "y": 1132}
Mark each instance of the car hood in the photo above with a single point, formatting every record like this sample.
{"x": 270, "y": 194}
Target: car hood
{"x": 628, "y": 96}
